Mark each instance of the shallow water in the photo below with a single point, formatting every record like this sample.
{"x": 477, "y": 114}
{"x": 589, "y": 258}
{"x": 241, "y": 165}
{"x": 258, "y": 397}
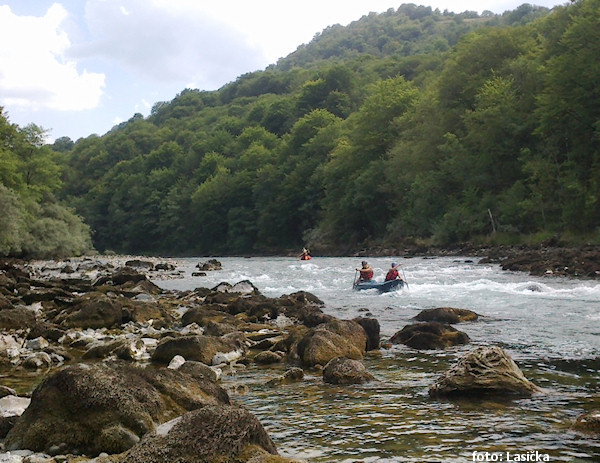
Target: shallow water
{"x": 548, "y": 325}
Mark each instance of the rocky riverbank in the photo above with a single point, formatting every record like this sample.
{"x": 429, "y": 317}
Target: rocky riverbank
{"x": 106, "y": 366}
{"x": 546, "y": 259}
{"x": 115, "y": 369}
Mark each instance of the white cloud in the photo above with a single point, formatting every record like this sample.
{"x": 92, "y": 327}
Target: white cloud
{"x": 34, "y": 70}
{"x": 167, "y": 42}
{"x": 150, "y": 50}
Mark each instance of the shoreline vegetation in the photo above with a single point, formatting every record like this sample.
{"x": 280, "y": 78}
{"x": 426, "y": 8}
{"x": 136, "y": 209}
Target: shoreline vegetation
{"x": 548, "y": 258}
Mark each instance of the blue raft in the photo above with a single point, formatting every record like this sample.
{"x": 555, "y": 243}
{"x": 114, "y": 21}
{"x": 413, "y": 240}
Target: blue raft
{"x": 384, "y": 287}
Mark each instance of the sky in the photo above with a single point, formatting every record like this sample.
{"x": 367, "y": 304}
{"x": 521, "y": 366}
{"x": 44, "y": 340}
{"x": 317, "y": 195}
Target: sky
{"x": 79, "y": 67}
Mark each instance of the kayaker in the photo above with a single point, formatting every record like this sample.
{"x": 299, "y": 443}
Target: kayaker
{"x": 392, "y": 273}
{"x": 305, "y": 254}
{"x": 366, "y": 272}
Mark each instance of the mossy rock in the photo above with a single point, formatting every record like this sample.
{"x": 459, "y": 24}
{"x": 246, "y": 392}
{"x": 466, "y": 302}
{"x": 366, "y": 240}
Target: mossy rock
{"x": 213, "y": 434}
{"x": 102, "y": 407}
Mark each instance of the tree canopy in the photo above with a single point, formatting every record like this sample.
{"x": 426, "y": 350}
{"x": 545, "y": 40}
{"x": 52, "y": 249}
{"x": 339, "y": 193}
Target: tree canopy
{"x": 34, "y": 223}
{"x": 407, "y": 125}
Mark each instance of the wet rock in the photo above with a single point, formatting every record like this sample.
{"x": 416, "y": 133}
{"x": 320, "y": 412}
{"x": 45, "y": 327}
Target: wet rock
{"x": 93, "y": 310}
{"x": 301, "y": 298}
{"x": 211, "y": 434}
{"x": 205, "y": 314}
{"x": 99, "y": 408}
{"x": 38, "y": 343}
{"x": 45, "y": 294}
{"x": 176, "y": 362}
{"x": 447, "y": 315}
{"x": 123, "y": 348}
{"x": 37, "y": 360}
{"x": 138, "y": 288}
{"x": 588, "y": 422}
{"x": 210, "y": 265}
{"x": 372, "y": 329}
{"x": 304, "y": 307}
{"x": 337, "y": 338}
{"x": 5, "y": 390}
{"x": 6, "y": 424}
{"x": 193, "y": 328}
{"x": 7, "y": 283}
{"x": 341, "y": 370}
{"x": 143, "y": 311}
{"x": 165, "y": 266}
{"x": 49, "y": 331}
{"x": 199, "y": 370}
{"x": 226, "y": 358}
{"x": 17, "y": 318}
{"x": 213, "y": 328}
{"x": 244, "y": 287}
{"x": 429, "y": 335}
{"x": 5, "y": 303}
{"x": 267, "y": 358}
{"x": 484, "y": 370}
{"x": 68, "y": 269}
{"x": 268, "y": 343}
{"x": 197, "y": 347}
{"x": 127, "y": 275}
{"x": 87, "y": 265}
{"x": 9, "y": 346}
{"x": 140, "y": 264}
{"x": 552, "y": 259}
{"x": 292, "y": 375}
{"x": 13, "y": 405}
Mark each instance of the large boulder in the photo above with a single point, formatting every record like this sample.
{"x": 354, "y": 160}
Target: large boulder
{"x": 341, "y": 370}
{"x": 429, "y": 335}
{"x": 17, "y": 318}
{"x": 268, "y": 357}
{"x": 337, "y": 338}
{"x": 5, "y": 302}
{"x": 211, "y": 434}
{"x": 446, "y": 315}
{"x": 199, "y": 370}
{"x": 92, "y": 310}
{"x": 106, "y": 408}
{"x": 143, "y": 311}
{"x": 372, "y": 329}
{"x": 304, "y": 307}
{"x": 196, "y": 347}
{"x": 210, "y": 265}
{"x": 484, "y": 370}
{"x": 140, "y": 264}
{"x": 207, "y": 313}
{"x": 127, "y": 275}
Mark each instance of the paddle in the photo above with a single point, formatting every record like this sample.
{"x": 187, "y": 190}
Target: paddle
{"x": 404, "y": 277}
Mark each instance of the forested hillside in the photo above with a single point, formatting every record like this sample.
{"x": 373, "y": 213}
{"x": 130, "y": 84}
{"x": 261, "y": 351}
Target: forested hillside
{"x": 411, "y": 125}
{"x": 33, "y": 222}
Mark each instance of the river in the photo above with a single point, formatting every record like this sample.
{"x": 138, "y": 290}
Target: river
{"x": 549, "y": 326}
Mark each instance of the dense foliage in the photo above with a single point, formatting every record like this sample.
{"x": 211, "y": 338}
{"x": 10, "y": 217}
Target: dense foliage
{"x": 33, "y": 223}
{"x": 408, "y": 125}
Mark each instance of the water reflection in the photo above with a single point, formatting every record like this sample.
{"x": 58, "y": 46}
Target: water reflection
{"x": 394, "y": 420}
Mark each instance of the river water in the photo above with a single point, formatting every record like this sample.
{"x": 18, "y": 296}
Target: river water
{"x": 548, "y": 325}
